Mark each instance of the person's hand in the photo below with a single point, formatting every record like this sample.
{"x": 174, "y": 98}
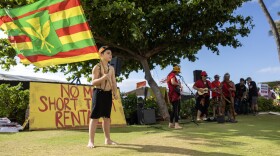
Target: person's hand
{"x": 106, "y": 76}
{"x": 116, "y": 96}
{"x": 200, "y": 90}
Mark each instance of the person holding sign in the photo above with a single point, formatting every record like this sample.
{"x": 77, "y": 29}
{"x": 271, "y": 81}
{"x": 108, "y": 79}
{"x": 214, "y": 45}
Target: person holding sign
{"x": 104, "y": 82}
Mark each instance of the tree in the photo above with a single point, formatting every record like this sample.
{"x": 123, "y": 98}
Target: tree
{"x": 277, "y": 23}
{"x": 273, "y": 27}
{"x": 145, "y": 34}
{"x": 13, "y": 102}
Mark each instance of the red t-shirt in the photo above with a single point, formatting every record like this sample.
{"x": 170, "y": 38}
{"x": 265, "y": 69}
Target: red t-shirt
{"x": 201, "y": 84}
{"x": 216, "y": 84}
{"x": 172, "y": 94}
{"x": 225, "y": 89}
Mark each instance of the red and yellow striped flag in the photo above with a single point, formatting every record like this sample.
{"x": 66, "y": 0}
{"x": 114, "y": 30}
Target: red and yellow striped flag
{"x": 49, "y": 32}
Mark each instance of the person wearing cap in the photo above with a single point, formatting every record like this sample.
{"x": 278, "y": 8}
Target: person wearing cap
{"x": 253, "y": 95}
{"x": 216, "y": 95}
{"x": 105, "y": 87}
{"x": 241, "y": 104}
{"x": 203, "y": 87}
{"x": 174, "y": 96}
{"x": 228, "y": 93}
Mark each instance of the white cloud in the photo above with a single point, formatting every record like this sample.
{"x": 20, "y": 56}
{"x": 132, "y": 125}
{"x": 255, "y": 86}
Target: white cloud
{"x": 2, "y": 34}
{"x": 270, "y": 70}
{"x": 129, "y": 84}
{"x": 21, "y": 70}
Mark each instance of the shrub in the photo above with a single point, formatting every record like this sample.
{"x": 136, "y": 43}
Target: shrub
{"x": 129, "y": 104}
{"x": 267, "y": 105}
{"x": 187, "y": 109}
{"x": 13, "y": 102}
{"x": 152, "y": 104}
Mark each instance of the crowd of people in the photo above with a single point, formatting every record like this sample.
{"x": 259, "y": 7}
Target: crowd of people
{"x": 226, "y": 98}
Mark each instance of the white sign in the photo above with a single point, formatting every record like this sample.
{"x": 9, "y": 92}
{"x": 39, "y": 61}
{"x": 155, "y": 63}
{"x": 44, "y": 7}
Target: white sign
{"x": 264, "y": 90}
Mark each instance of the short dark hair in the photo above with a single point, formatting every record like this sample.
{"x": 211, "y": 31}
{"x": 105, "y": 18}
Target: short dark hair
{"x": 103, "y": 49}
{"x": 249, "y": 78}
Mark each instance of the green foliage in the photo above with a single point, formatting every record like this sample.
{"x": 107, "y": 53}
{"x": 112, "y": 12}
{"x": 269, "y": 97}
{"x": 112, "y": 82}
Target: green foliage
{"x": 129, "y": 104}
{"x": 267, "y": 105}
{"x": 152, "y": 104}
{"x": 187, "y": 108}
{"x": 7, "y": 55}
{"x": 13, "y": 102}
{"x": 15, "y": 3}
{"x": 160, "y": 31}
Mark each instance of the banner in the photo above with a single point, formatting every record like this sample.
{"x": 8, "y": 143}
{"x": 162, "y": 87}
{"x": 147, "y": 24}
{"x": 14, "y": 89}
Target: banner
{"x": 65, "y": 106}
{"x": 264, "y": 90}
{"x": 140, "y": 84}
{"x": 49, "y": 32}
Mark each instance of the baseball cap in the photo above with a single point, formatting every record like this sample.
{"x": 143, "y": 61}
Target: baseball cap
{"x": 203, "y": 73}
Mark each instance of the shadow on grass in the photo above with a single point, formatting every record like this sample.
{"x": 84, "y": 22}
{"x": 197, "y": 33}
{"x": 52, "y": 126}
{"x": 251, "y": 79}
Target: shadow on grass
{"x": 261, "y": 127}
{"x": 149, "y": 149}
{"x": 156, "y": 128}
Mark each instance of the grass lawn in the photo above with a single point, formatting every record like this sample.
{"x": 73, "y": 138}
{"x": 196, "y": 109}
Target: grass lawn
{"x": 252, "y": 135}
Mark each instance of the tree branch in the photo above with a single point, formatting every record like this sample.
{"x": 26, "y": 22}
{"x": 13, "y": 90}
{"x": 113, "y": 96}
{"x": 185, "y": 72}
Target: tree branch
{"x": 133, "y": 54}
{"x": 125, "y": 57}
{"x": 155, "y": 50}
{"x": 272, "y": 25}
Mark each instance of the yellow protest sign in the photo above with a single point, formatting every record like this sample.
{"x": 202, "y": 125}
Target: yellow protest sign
{"x": 65, "y": 106}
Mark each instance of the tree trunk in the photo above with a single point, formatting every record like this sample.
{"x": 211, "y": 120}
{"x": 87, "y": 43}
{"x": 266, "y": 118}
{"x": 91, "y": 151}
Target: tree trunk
{"x": 272, "y": 25}
{"x": 159, "y": 98}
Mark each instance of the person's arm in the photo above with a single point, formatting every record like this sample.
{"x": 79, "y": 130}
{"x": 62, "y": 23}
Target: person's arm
{"x": 255, "y": 85}
{"x": 96, "y": 80}
{"x": 173, "y": 82}
{"x": 114, "y": 85}
{"x": 237, "y": 90}
{"x": 244, "y": 93}
{"x": 232, "y": 87}
{"x": 196, "y": 88}
{"x": 209, "y": 84}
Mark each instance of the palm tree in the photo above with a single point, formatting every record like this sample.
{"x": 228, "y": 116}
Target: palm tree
{"x": 273, "y": 24}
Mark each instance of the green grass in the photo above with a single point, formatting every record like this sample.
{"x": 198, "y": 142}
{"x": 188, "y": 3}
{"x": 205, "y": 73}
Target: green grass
{"x": 252, "y": 135}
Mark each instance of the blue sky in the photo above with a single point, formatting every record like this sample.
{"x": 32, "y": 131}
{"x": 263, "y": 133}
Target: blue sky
{"x": 257, "y": 58}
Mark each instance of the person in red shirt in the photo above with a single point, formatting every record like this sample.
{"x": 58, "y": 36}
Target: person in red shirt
{"x": 203, "y": 87}
{"x": 216, "y": 95}
{"x": 174, "y": 95}
{"x": 228, "y": 93}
